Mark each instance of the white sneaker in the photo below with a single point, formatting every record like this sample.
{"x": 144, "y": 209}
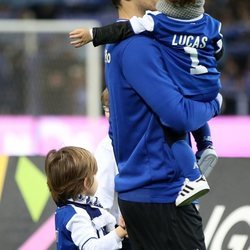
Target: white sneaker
{"x": 206, "y": 160}
{"x": 191, "y": 191}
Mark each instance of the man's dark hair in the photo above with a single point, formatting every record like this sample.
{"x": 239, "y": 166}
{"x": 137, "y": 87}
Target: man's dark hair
{"x": 182, "y": 3}
{"x": 116, "y": 3}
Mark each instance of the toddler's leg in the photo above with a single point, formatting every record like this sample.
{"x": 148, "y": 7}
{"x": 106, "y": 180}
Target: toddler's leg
{"x": 195, "y": 185}
{"x": 186, "y": 160}
{"x": 183, "y": 154}
{"x": 206, "y": 155}
{"x": 202, "y": 137}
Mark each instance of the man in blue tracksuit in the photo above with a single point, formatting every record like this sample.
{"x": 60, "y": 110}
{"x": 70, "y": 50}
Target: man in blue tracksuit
{"x": 193, "y": 44}
{"x": 143, "y": 99}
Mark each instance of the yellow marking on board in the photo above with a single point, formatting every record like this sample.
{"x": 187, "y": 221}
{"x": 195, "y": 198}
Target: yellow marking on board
{"x": 32, "y": 184}
{"x": 3, "y": 169}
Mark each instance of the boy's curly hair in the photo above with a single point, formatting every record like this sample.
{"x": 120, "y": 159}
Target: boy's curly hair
{"x": 66, "y": 170}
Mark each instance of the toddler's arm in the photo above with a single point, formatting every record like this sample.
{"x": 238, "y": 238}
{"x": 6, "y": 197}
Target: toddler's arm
{"x": 121, "y": 30}
{"x": 80, "y": 37}
{"x": 101, "y": 35}
{"x": 112, "y": 33}
{"x": 220, "y": 51}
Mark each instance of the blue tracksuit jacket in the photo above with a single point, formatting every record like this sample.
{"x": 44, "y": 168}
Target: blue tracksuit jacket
{"x": 142, "y": 99}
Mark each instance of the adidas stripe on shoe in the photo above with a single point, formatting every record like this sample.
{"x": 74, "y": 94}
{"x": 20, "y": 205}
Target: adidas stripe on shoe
{"x": 191, "y": 191}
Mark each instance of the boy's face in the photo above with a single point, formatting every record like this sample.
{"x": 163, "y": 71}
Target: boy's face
{"x": 106, "y": 111}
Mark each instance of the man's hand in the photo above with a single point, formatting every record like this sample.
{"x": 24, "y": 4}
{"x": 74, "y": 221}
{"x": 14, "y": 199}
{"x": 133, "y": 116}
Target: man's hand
{"x": 80, "y": 37}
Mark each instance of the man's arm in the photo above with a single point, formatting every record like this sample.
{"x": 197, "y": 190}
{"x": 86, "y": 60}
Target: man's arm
{"x": 147, "y": 73}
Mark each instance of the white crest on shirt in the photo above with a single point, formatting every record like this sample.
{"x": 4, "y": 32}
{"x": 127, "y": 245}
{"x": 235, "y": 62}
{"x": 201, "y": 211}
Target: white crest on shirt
{"x": 107, "y": 56}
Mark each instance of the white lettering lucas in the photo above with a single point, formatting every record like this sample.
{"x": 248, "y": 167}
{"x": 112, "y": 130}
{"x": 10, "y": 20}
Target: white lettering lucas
{"x": 190, "y": 41}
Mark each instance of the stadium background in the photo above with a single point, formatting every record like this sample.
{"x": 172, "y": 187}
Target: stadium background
{"x": 50, "y": 97}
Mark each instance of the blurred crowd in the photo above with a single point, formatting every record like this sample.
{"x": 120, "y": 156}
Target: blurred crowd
{"x": 52, "y": 74}
{"x": 48, "y": 80}
{"x": 235, "y": 67}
